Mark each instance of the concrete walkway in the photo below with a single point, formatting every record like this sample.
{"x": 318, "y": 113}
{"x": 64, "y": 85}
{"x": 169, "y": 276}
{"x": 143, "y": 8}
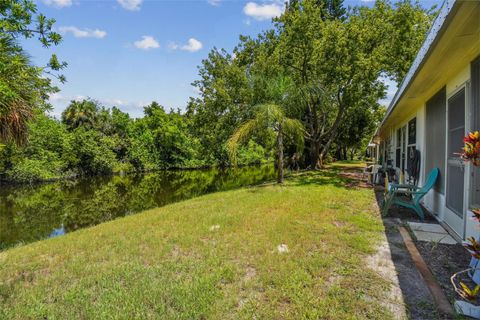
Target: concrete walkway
{"x": 430, "y": 232}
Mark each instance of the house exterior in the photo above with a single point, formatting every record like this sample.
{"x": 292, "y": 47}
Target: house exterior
{"x": 435, "y": 106}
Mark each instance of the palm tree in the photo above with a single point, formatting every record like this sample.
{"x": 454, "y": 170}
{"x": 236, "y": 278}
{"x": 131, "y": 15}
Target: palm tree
{"x": 271, "y": 117}
{"x": 23, "y": 91}
{"x": 14, "y": 118}
{"x": 81, "y": 113}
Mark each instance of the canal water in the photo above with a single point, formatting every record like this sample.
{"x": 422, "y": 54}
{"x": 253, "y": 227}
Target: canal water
{"x": 32, "y": 212}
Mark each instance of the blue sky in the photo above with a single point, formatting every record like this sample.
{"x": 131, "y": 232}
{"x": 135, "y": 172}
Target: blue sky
{"x": 131, "y": 52}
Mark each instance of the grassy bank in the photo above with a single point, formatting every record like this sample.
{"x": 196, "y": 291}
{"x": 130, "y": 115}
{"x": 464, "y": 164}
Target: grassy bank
{"x": 212, "y": 257}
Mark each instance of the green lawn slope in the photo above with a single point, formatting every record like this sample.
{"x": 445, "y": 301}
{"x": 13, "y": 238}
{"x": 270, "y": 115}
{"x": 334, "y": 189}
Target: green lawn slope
{"x": 212, "y": 257}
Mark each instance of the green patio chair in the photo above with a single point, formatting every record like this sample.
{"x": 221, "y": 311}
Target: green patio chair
{"x": 395, "y": 191}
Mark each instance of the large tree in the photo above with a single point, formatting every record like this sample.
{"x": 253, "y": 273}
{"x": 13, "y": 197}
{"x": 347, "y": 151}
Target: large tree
{"x": 226, "y": 100}
{"x": 23, "y": 87}
{"x": 84, "y": 113}
{"x": 338, "y": 63}
{"x": 335, "y": 57}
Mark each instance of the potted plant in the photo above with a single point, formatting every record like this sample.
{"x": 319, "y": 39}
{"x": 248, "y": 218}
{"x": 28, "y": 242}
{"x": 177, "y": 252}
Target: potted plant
{"x": 469, "y": 293}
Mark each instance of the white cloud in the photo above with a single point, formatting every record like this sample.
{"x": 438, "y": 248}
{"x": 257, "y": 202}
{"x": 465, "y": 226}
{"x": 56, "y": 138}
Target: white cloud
{"x": 83, "y": 33}
{"x": 192, "y": 45}
{"x": 147, "y": 42}
{"x": 214, "y": 2}
{"x": 132, "y": 5}
{"x": 133, "y": 108}
{"x": 58, "y": 3}
{"x": 56, "y": 98}
{"x": 263, "y": 11}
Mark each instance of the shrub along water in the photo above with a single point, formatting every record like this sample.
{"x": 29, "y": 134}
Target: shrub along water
{"x": 93, "y": 140}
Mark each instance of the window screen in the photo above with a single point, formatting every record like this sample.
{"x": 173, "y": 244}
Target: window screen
{"x": 456, "y": 132}
{"x": 436, "y": 136}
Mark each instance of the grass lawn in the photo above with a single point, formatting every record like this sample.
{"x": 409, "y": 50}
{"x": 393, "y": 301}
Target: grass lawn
{"x": 212, "y": 257}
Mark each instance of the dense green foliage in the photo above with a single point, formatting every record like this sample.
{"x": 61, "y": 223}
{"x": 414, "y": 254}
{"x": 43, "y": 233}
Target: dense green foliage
{"x": 92, "y": 140}
{"x": 331, "y": 60}
{"x": 23, "y": 86}
{"x": 272, "y": 118}
{"x": 335, "y": 59}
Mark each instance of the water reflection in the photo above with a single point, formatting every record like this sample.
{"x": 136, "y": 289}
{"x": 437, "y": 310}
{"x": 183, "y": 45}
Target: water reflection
{"x": 57, "y": 232}
{"x": 29, "y": 213}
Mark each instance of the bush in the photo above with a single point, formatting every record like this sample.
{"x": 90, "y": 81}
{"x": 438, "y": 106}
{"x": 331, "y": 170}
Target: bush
{"x": 30, "y": 170}
{"x": 123, "y": 167}
{"x": 93, "y": 152}
{"x": 252, "y": 153}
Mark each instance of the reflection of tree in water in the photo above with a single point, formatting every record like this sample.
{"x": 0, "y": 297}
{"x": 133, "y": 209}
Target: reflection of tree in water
{"x": 28, "y": 213}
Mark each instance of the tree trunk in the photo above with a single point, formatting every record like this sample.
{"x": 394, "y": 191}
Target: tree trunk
{"x": 319, "y": 164}
{"x": 352, "y": 153}
{"x": 314, "y": 155}
{"x": 323, "y": 154}
{"x": 322, "y": 144}
{"x": 280, "y": 157}
{"x": 338, "y": 153}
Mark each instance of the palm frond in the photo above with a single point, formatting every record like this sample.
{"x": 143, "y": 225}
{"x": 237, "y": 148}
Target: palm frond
{"x": 241, "y": 135}
{"x": 267, "y": 116}
{"x": 295, "y": 130}
{"x": 269, "y": 113}
{"x": 13, "y": 123}
{"x": 23, "y": 90}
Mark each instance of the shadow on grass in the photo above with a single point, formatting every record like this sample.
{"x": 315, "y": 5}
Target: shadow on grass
{"x": 338, "y": 176}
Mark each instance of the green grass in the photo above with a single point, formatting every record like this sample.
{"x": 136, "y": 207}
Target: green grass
{"x": 169, "y": 263}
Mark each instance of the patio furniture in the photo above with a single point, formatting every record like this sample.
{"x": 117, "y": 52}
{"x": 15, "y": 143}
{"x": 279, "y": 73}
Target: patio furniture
{"x": 372, "y": 172}
{"x": 395, "y": 191}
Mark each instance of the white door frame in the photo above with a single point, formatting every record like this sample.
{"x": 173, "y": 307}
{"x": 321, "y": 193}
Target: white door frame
{"x": 456, "y": 223}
